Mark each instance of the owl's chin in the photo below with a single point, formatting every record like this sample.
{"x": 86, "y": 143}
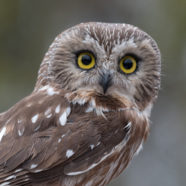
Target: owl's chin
{"x": 99, "y": 99}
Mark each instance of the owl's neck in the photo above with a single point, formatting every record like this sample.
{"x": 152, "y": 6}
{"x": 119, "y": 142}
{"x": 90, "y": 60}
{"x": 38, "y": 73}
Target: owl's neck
{"x": 101, "y": 104}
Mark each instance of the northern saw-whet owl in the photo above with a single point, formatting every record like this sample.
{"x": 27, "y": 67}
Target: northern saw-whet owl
{"x": 89, "y": 112}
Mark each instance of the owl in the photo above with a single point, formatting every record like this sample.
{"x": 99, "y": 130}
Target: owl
{"x": 88, "y": 114}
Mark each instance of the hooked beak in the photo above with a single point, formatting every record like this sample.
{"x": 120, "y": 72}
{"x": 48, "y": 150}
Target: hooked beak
{"x": 105, "y": 81}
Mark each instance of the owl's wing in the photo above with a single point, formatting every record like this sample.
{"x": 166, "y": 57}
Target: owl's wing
{"x": 43, "y": 133}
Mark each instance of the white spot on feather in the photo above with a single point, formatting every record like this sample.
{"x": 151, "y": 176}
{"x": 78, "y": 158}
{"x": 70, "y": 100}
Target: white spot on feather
{"x": 33, "y": 166}
{"x": 5, "y": 183}
{"x": 39, "y": 170}
{"x": 63, "y": 117}
{"x": 69, "y": 153}
{"x": 35, "y": 118}
{"x": 18, "y": 170}
{"x": 98, "y": 143}
{"x": 10, "y": 177}
{"x": 2, "y": 133}
{"x": 21, "y": 131}
{"x": 63, "y": 135}
{"x": 50, "y": 90}
{"x": 89, "y": 109}
{"x": 115, "y": 149}
{"x": 57, "y": 110}
{"x": 59, "y": 140}
{"x": 37, "y": 128}
{"x": 92, "y": 146}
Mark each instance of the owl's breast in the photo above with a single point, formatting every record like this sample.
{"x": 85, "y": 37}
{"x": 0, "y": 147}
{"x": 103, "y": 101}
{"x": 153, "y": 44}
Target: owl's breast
{"x": 113, "y": 135}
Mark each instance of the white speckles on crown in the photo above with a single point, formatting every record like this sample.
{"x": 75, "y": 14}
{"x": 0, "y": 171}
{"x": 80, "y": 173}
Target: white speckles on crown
{"x": 35, "y": 118}
{"x": 63, "y": 117}
{"x": 69, "y": 153}
{"x": 2, "y": 133}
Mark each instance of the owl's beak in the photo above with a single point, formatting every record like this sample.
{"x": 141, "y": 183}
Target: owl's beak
{"x": 105, "y": 81}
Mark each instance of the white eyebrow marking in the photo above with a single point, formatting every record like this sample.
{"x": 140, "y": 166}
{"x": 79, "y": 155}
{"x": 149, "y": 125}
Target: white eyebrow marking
{"x": 35, "y": 118}
{"x": 69, "y": 153}
{"x": 2, "y": 133}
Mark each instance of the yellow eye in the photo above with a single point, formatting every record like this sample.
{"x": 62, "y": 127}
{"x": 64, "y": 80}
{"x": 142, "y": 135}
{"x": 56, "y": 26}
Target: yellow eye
{"x": 128, "y": 64}
{"x": 86, "y": 60}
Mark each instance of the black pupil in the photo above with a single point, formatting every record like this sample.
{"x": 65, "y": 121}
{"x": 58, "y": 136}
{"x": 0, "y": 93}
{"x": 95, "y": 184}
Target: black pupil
{"x": 86, "y": 59}
{"x": 127, "y": 64}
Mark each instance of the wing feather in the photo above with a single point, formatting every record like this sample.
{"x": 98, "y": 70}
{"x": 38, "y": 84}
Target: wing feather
{"x": 75, "y": 145}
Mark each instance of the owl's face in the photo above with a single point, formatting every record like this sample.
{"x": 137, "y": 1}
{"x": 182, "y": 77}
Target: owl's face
{"x": 108, "y": 59}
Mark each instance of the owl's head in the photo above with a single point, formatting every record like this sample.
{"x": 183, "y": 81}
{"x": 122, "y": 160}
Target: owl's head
{"x": 108, "y": 59}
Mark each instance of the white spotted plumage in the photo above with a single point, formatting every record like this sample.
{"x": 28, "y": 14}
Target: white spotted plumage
{"x": 69, "y": 153}
{"x": 35, "y": 118}
{"x": 82, "y": 126}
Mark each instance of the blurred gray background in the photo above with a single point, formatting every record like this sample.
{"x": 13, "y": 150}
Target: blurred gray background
{"x": 28, "y": 27}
